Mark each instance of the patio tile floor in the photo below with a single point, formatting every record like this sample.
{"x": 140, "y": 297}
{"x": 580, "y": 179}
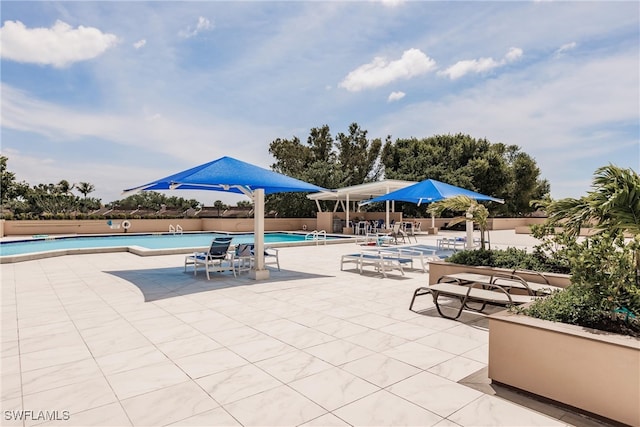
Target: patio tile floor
{"x": 118, "y": 339}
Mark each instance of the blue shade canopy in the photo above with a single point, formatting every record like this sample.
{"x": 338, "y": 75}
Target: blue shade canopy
{"x": 428, "y": 191}
{"x": 232, "y": 175}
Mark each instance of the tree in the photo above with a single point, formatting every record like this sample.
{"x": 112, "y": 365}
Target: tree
{"x": 64, "y": 187}
{"x": 85, "y": 188}
{"x": 48, "y": 200}
{"x": 613, "y": 206}
{"x": 154, "y": 200}
{"x": 358, "y": 157}
{"x": 10, "y": 190}
{"x": 498, "y": 170}
{"x": 348, "y": 159}
{"x": 473, "y": 210}
{"x": 219, "y": 206}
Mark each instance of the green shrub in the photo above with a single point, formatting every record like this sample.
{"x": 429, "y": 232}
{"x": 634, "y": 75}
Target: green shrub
{"x": 510, "y": 258}
{"x": 604, "y": 293}
{"x": 604, "y": 264}
{"x": 579, "y": 305}
{"x": 574, "y": 305}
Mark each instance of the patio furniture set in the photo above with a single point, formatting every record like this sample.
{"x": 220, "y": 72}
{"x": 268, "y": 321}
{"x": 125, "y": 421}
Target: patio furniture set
{"x": 222, "y": 256}
{"x": 473, "y": 291}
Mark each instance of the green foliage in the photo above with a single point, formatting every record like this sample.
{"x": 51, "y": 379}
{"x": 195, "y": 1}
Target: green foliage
{"x": 613, "y": 204}
{"x": 349, "y": 159}
{"x": 220, "y": 206}
{"x": 574, "y": 305}
{"x": 510, "y": 258}
{"x": 154, "y": 201}
{"x": 605, "y": 282}
{"x": 476, "y": 164}
{"x": 85, "y": 188}
{"x": 11, "y": 191}
{"x": 476, "y": 212}
{"x": 604, "y": 266}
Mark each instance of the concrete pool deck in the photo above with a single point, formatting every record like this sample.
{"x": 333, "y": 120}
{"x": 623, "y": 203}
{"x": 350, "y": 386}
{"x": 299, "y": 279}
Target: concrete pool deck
{"x": 115, "y": 339}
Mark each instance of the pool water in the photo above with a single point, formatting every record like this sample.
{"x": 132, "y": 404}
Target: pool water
{"x": 148, "y": 241}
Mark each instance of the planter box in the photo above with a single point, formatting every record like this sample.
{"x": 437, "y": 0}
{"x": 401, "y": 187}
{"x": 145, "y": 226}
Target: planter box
{"x": 591, "y": 370}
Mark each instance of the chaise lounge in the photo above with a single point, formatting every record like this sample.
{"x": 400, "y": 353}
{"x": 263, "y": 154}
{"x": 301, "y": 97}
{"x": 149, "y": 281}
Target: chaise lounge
{"x": 483, "y": 294}
{"x": 381, "y": 261}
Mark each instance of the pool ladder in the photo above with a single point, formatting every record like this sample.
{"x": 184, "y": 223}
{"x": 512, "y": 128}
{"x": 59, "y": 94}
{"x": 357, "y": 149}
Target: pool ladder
{"x": 317, "y": 236}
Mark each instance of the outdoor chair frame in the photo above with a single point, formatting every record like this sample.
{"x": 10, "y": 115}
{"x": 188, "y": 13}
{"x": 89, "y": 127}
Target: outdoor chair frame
{"x": 479, "y": 293}
{"x": 217, "y": 259}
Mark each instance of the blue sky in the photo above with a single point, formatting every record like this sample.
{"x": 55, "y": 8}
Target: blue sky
{"x": 120, "y": 93}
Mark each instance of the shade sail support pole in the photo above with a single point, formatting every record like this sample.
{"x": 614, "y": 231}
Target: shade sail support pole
{"x": 386, "y": 219}
{"x": 346, "y": 215}
{"x": 259, "y": 272}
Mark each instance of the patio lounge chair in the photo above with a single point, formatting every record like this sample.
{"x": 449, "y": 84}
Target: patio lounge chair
{"x": 479, "y": 293}
{"x": 398, "y": 233}
{"x": 271, "y": 257}
{"x": 246, "y": 254}
{"x": 216, "y": 259}
{"x": 415, "y": 253}
{"x": 381, "y": 261}
{"x": 511, "y": 282}
{"x": 243, "y": 257}
{"x": 456, "y": 243}
{"x": 378, "y": 226}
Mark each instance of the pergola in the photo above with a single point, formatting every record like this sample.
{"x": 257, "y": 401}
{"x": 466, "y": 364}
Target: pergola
{"x": 357, "y": 193}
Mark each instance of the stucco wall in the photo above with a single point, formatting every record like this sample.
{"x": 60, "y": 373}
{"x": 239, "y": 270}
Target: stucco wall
{"x": 323, "y": 222}
{"x": 596, "y": 372}
{"x": 33, "y": 227}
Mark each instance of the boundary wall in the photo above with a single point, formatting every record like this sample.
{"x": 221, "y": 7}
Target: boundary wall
{"x": 323, "y": 222}
{"x": 101, "y": 226}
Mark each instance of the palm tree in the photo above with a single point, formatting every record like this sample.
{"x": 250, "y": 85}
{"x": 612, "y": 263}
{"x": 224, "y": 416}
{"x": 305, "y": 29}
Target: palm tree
{"x": 473, "y": 210}
{"x": 85, "y": 188}
{"x": 219, "y": 205}
{"x": 613, "y": 205}
{"x": 64, "y": 187}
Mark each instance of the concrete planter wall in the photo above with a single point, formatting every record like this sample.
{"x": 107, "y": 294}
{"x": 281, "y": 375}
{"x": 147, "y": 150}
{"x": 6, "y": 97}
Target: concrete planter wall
{"x": 591, "y": 370}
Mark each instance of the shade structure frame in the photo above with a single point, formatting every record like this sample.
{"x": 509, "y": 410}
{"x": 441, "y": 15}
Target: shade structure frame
{"x": 227, "y": 174}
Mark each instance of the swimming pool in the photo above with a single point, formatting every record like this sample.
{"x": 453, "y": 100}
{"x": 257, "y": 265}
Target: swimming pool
{"x": 140, "y": 244}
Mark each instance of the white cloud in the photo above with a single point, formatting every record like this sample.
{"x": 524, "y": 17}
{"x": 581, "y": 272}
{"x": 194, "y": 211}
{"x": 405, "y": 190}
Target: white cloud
{"x": 392, "y": 3}
{"x": 568, "y": 129}
{"x": 203, "y": 24}
{"x": 140, "y": 43}
{"x": 565, "y": 48}
{"x": 153, "y": 131}
{"x": 59, "y": 45}
{"x": 514, "y": 54}
{"x": 481, "y": 65}
{"x": 396, "y": 96}
{"x": 380, "y": 71}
